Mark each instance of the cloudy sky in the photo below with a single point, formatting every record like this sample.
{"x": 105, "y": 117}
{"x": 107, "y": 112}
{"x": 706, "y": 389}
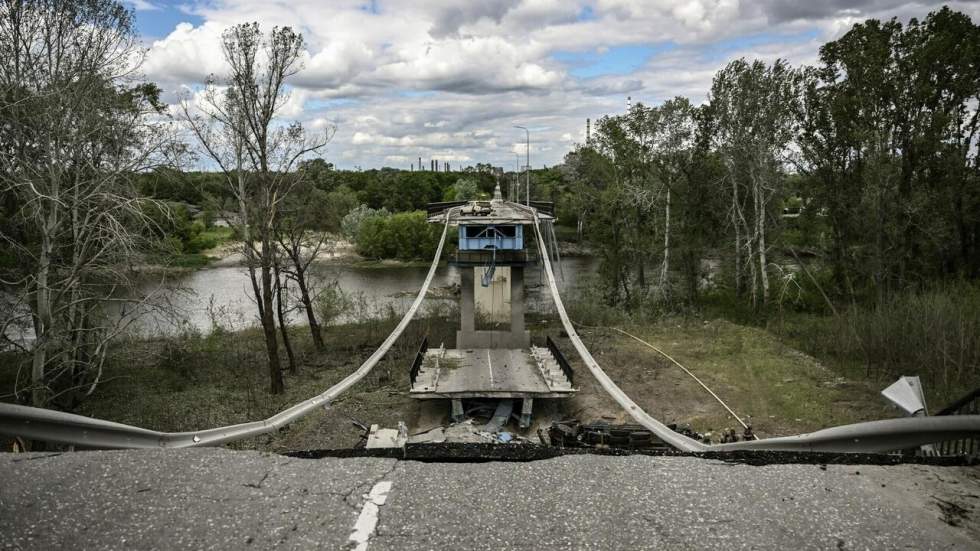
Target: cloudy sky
{"x": 448, "y": 79}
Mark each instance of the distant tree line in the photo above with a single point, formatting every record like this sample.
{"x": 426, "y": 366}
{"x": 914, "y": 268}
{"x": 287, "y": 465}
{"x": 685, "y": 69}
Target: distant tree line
{"x": 868, "y": 161}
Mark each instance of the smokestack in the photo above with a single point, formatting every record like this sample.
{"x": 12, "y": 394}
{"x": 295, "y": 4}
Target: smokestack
{"x": 629, "y": 103}
{"x": 420, "y": 164}
{"x": 588, "y": 131}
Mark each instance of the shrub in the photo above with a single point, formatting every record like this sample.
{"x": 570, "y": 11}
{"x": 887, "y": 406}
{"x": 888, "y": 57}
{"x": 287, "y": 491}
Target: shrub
{"x": 331, "y": 303}
{"x": 933, "y": 334}
{"x": 405, "y": 236}
{"x": 350, "y": 225}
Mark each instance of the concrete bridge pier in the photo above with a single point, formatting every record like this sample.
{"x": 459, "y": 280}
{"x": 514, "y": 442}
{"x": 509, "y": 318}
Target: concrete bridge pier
{"x": 516, "y": 337}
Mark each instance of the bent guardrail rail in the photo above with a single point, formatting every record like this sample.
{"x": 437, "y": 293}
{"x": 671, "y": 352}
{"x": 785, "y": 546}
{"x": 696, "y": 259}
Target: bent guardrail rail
{"x": 68, "y": 428}
{"x": 870, "y": 437}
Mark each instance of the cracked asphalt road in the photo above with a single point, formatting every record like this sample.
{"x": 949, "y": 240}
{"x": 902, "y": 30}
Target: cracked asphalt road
{"x": 224, "y": 499}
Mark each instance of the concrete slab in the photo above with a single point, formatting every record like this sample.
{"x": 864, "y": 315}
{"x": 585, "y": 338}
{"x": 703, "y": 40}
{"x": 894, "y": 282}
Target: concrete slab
{"x": 485, "y": 373}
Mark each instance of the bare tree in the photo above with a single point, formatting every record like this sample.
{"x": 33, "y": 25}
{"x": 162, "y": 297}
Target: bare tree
{"x": 301, "y": 235}
{"x": 238, "y": 128}
{"x": 673, "y": 136}
{"x": 755, "y": 106}
{"x": 77, "y": 126}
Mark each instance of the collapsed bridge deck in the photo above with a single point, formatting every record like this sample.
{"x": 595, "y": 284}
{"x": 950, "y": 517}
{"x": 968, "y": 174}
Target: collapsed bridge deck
{"x": 490, "y": 373}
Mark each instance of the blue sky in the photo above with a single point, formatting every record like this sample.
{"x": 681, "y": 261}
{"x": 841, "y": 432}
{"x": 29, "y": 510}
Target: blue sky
{"x": 400, "y": 79}
{"x": 163, "y": 17}
{"x": 617, "y": 60}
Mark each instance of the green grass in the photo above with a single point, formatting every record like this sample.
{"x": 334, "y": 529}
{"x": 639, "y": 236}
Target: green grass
{"x": 210, "y": 239}
{"x": 193, "y": 382}
{"x": 780, "y": 388}
{"x": 191, "y": 261}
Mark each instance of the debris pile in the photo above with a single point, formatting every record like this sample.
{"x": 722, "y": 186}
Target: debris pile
{"x": 570, "y": 433}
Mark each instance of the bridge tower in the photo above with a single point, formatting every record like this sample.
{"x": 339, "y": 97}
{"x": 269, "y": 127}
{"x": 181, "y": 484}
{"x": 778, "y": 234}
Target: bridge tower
{"x": 493, "y": 355}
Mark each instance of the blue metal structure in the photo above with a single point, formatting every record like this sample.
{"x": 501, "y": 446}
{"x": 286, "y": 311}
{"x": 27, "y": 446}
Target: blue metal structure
{"x": 481, "y": 237}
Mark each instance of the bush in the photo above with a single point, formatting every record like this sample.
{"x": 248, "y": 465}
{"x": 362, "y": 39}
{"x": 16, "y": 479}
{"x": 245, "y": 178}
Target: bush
{"x": 331, "y": 303}
{"x": 405, "y": 236}
{"x": 350, "y": 225}
{"x": 933, "y": 334}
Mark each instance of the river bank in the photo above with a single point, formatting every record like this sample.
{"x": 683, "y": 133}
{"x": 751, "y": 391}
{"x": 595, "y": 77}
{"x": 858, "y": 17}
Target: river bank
{"x": 335, "y": 250}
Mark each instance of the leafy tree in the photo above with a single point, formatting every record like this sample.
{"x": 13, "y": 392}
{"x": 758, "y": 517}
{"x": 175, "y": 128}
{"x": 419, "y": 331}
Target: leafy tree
{"x": 465, "y": 189}
{"x": 76, "y": 128}
{"x": 351, "y": 224}
{"x": 239, "y": 130}
{"x": 888, "y": 142}
{"x": 754, "y": 106}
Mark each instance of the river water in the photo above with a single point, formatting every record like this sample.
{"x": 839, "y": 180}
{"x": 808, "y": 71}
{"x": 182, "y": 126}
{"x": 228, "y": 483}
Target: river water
{"x": 223, "y": 294}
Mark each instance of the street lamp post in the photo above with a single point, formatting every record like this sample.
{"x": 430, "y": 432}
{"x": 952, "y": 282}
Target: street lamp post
{"x": 528, "y": 166}
{"x": 515, "y": 186}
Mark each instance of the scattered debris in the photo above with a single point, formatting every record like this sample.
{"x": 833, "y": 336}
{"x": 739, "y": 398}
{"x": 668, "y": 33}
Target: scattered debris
{"x": 434, "y": 436}
{"x": 387, "y": 438}
{"x": 570, "y": 433}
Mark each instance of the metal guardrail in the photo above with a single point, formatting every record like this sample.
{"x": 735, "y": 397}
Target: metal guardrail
{"x": 871, "y": 437}
{"x": 419, "y": 358}
{"x": 436, "y": 208}
{"x": 566, "y": 367}
{"x": 967, "y": 405}
{"x": 547, "y": 207}
{"x": 67, "y": 428}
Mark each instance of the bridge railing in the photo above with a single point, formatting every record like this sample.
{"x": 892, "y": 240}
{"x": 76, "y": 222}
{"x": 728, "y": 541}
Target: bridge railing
{"x": 419, "y": 358}
{"x": 566, "y": 367}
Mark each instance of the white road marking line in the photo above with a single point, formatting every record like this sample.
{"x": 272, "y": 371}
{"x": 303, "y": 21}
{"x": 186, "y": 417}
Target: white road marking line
{"x": 490, "y": 367}
{"x": 367, "y": 521}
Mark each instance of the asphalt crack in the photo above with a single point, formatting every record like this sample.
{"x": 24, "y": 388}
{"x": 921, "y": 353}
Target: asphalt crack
{"x": 365, "y": 487}
{"x": 36, "y": 457}
{"x": 369, "y": 517}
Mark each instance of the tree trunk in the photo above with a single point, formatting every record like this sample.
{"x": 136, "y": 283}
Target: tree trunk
{"x": 43, "y": 315}
{"x": 281, "y": 314}
{"x": 304, "y": 294}
{"x": 247, "y": 247}
{"x": 268, "y": 321}
{"x": 736, "y": 223}
{"x": 665, "y": 267}
{"x": 760, "y": 224}
{"x": 640, "y": 265}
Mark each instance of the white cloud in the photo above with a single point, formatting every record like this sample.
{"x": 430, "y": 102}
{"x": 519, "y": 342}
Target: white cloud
{"x": 447, "y": 79}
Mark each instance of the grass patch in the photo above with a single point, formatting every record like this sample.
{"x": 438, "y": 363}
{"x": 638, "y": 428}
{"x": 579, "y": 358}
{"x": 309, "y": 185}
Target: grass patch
{"x": 196, "y": 381}
{"x": 934, "y": 334}
{"x": 775, "y": 388}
